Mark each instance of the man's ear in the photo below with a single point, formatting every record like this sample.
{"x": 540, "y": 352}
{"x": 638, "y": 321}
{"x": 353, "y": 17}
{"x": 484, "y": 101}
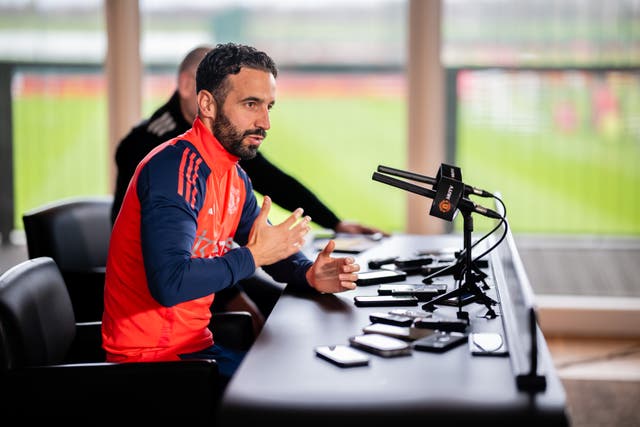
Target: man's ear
{"x": 206, "y": 104}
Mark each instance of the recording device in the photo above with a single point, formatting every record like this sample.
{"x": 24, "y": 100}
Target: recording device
{"x": 412, "y": 261}
{"x": 419, "y": 290}
{"x": 412, "y": 265}
{"x": 436, "y": 253}
{"x": 342, "y": 355}
{"x": 439, "y": 269}
{"x": 375, "y": 277}
{"x": 424, "y": 294}
{"x": 382, "y": 345}
{"x": 455, "y": 301}
{"x": 440, "y": 342}
{"x": 411, "y": 270}
{"x": 463, "y": 203}
{"x": 445, "y": 260}
{"x": 406, "y": 333}
{"x": 384, "y": 301}
{"x": 374, "y": 264}
{"x": 439, "y": 323}
{"x": 391, "y": 319}
{"x": 416, "y": 314}
{"x": 412, "y": 289}
{"x": 480, "y": 263}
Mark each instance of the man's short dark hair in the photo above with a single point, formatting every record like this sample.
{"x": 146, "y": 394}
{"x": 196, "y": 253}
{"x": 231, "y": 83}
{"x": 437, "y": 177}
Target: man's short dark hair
{"x": 226, "y": 59}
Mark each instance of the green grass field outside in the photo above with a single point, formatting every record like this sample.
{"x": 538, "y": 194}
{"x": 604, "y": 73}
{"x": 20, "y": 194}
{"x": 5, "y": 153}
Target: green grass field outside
{"x": 60, "y": 150}
{"x": 580, "y": 182}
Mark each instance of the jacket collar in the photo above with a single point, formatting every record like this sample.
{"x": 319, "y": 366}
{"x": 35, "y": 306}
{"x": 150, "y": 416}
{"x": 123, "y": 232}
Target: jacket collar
{"x": 214, "y": 154}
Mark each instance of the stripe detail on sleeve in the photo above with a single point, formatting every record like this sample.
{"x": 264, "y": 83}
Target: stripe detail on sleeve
{"x": 187, "y": 176}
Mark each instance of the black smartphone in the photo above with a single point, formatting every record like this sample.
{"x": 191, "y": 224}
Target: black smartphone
{"x": 342, "y": 355}
{"x": 446, "y": 324}
{"x": 421, "y": 291}
{"x": 374, "y": 277}
{"x": 437, "y": 252}
{"x": 438, "y": 269}
{"x": 379, "y": 262}
{"x": 406, "y": 333}
{"x": 440, "y": 341}
{"x": 409, "y": 288}
{"x": 384, "y": 301}
{"x": 413, "y": 261}
{"x": 387, "y": 288}
{"x": 411, "y": 270}
{"x": 382, "y": 345}
{"x": 463, "y": 299}
{"x": 416, "y": 314}
{"x": 390, "y": 319}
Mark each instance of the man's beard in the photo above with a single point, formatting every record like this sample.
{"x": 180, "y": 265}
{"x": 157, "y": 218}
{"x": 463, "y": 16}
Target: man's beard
{"x": 231, "y": 138}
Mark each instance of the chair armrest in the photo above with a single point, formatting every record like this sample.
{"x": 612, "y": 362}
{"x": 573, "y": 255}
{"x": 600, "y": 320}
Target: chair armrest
{"x": 233, "y": 329}
{"x": 87, "y": 344}
{"x": 185, "y": 388}
{"x": 86, "y": 290}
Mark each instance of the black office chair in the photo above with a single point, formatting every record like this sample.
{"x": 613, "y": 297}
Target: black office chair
{"x": 74, "y": 232}
{"x": 52, "y": 367}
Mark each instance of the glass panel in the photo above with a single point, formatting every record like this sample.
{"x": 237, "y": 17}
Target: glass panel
{"x": 58, "y": 99}
{"x": 566, "y": 140}
{"x": 541, "y": 32}
{"x": 60, "y": 136}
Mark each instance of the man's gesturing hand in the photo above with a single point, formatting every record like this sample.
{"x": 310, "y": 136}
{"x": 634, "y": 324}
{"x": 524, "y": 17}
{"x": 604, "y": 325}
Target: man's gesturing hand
{"x": 272, "y": 243}
{"x": 332, "y": 275}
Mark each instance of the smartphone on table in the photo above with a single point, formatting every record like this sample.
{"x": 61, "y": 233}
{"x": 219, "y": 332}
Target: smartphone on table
{"x": 381, "y": 345}
{"x": 412, "y": 288}
{"x": 342, "y": 355}
{"x": 440, "y": 342}
{"x": 384, "y": 301}
{"x": 390, "y": 319}
{"x": 374, "y": 277}
{"x": 406, "y": 333}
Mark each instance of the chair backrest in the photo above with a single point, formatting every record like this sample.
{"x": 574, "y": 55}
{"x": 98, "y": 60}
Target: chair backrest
{"x": 37, "y": 324}
{"x": 74, "y": 232}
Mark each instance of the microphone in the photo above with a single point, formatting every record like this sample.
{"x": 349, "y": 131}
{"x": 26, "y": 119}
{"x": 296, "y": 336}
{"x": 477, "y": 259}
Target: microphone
{"x": 463, "y": 203}
{"x": 428, "y": 180}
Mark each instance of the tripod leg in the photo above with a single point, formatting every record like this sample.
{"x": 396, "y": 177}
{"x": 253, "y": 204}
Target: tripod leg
{"x": 465, "y": 296}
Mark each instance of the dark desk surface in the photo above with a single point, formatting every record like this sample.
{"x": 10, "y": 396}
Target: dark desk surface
{"x": 282, "y": 380}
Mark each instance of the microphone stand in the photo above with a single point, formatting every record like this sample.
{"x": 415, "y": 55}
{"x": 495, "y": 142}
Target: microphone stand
{"x": 471, "y": 272}
{"x": 468, "y": 282}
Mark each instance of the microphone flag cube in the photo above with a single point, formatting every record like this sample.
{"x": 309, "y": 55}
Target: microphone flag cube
{"x": 447, "y": 171}
{"x": 448, "y": 195}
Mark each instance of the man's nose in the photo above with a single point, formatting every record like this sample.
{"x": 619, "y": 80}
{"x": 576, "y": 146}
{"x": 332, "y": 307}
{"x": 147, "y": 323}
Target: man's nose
{"x": 263, "y": 121}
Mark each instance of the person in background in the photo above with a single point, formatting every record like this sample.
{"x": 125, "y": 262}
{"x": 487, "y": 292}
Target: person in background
{"x": 190, "y": 224}
{"x": 176, "y": 116}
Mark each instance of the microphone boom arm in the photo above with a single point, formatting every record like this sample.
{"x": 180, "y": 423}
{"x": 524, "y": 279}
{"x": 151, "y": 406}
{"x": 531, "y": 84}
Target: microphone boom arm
{"x": 468, "y": 189}
{"x": 464, "y": 204}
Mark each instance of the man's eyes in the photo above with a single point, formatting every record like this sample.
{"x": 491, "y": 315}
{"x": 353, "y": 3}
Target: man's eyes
{"x": 253, "y": 105}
